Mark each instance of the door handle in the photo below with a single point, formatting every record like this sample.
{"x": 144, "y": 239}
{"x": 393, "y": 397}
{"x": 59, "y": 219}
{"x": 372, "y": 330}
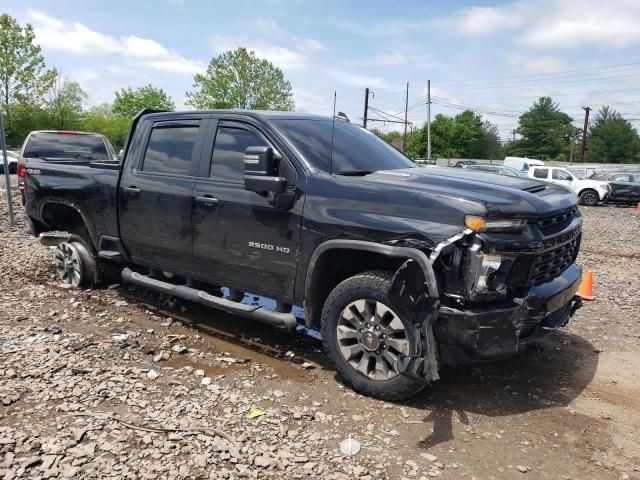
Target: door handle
{"x": 207, "y": 200}
{"x": 132, "y": 190}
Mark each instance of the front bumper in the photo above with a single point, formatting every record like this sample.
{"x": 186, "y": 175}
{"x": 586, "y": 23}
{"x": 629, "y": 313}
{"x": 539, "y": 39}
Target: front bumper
{"x": 498, "y": 329}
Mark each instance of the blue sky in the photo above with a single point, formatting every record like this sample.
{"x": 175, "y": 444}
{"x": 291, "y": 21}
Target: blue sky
{"x": 494, "y": 56}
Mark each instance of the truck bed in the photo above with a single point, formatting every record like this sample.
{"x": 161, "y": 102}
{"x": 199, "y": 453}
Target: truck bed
{"x": 90, "y": 186}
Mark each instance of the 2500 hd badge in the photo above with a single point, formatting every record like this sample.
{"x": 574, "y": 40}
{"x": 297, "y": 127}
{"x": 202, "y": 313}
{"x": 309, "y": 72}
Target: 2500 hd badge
{"x": 266, "y": 246}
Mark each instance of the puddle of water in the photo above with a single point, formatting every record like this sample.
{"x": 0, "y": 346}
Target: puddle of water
{"x": 270, "y": 353}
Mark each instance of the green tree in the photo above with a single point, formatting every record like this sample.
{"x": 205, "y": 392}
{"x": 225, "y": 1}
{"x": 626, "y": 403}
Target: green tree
{"x": 63, "y": 103}
{"x": 129, "y": 102}
{"x": 239, "y": 79}
{"x": 101, "y": 119}
{"x": 612, "y": 139}
{"x": 386, "y": 136}
{"x": 24, "y": 77}
{"x": 466, "y": 135}
{"x": 22, "y": 118}
{"x": 544, "y": 131}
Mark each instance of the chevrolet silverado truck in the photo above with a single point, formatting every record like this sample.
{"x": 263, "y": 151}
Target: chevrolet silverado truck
{"x": 402, "y": 269}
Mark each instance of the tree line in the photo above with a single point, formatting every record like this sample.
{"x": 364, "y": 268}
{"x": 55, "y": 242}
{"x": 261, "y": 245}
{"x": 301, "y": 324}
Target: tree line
{"x": 35, "y": 97}
{"x": 543, "y": 131}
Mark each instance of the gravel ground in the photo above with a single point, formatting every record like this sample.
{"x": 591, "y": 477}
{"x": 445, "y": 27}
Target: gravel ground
{"x": 121, "y": 382}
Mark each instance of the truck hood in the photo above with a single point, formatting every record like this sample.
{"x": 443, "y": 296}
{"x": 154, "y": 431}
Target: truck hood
{"x": 496, "y": 194}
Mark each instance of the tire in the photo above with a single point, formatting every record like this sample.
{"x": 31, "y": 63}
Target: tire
{"x": 362, "y": 292}
{"x": 589, "y": 198}
{"x": 75, "y": 265}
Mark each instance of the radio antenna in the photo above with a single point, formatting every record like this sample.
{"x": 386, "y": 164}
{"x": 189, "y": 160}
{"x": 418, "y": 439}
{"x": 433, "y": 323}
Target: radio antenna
{"x": 333, "y": 129}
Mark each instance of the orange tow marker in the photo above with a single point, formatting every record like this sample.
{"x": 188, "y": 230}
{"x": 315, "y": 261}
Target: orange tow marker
{"x": 638, "y": 207}
{"x": 585, "y": 292}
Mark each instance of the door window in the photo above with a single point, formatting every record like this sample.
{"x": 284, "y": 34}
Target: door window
{"x": 170, "y": 149}
{"x": 561, "y": 175}
{"x": 620, "y": 178}
{"x": 227, "y": 163}
{"x": 541, "y": 172}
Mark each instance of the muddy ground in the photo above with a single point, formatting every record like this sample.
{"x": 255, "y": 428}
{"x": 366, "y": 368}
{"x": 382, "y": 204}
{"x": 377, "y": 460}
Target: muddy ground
{"x": 79, "y": 397}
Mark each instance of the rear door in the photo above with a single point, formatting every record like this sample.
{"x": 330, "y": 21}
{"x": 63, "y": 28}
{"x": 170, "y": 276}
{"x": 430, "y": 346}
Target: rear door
{"x": 239, "y": 238}
{"x": 155, "y": 196}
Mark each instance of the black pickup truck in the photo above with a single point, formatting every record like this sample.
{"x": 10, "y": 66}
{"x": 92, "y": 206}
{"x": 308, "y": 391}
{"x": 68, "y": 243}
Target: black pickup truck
{"x": 401, "y": 268}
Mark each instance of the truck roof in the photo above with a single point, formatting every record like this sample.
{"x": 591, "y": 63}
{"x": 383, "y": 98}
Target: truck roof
{"x": 261, "y": 114}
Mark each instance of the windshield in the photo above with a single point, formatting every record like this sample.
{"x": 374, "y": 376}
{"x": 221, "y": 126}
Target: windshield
{"x": 67, "y": 146}
{"x": 354, "y": 148}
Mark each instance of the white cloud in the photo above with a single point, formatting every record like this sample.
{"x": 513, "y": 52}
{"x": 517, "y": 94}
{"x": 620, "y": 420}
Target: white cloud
{"x": 357, "y": 80}
{"x": 485, "y": 20}
{"x": 280, "y": 56}
{"x": 553, "y": 23}
{"x": 576, "y": 23}
{"x": 76, "y": 38}
{"x": 266, "y": 26}
{"x": 309, "y": 45}
{"x": 523, "y": 65}
{"x": 385, "y": 59}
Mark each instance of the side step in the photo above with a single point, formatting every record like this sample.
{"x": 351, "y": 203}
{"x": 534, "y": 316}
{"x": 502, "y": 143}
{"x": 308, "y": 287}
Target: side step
{"x": 285, "y": 321}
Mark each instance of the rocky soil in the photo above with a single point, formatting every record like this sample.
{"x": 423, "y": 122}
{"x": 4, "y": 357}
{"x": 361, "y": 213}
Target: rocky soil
{"x": 119, "y": 382}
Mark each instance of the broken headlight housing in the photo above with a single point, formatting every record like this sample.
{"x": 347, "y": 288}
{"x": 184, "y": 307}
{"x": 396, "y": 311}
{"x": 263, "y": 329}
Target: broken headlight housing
{"x": 487, "y": 274}
{"x": 506, "y": 225}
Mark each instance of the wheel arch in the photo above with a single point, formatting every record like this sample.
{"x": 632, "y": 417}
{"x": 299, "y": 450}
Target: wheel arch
{"x": 60, "y": 215}
{"x": 360, "y": 256}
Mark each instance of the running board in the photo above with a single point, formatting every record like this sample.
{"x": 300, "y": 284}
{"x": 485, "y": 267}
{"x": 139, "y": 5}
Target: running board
{"x": 285, "y": 321}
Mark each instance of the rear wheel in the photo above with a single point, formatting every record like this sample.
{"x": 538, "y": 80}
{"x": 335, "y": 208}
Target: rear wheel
{"x": 74, "y": 264}
{"x": 363, "y": 337}
{"x": 589, "y": 198}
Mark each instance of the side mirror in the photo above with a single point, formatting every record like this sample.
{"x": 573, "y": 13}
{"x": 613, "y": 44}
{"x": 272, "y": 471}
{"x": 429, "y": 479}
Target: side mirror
{"x": 260, "y": 171}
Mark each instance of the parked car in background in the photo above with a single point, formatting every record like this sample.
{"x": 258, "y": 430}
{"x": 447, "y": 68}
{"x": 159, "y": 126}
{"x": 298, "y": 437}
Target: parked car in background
{"x": 499, "y": 169}
{"x": 625, "y": 186}
{"x": 63, "y": 146}
{"x": 522, "y": 163}
{"x": 12, "y": 160}
{"x": 590, "y": 192}
{"x": 582, "y": 172}
{"x": 465, "y": 163}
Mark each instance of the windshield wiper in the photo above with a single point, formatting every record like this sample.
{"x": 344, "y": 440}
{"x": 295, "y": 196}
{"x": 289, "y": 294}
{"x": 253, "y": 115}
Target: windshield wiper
{"x": 355, "y": 173}
{"x": 85, "y": 156}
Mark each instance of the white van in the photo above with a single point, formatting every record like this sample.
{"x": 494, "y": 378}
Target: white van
{"x": 522, "y": 163}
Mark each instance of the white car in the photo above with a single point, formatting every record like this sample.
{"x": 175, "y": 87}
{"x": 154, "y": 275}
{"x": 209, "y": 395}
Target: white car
{"x": 12, "y": 160}
{"x": 590, "y": 192}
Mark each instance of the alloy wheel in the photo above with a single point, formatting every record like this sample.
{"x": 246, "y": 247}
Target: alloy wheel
{"x": 370, "y": 337}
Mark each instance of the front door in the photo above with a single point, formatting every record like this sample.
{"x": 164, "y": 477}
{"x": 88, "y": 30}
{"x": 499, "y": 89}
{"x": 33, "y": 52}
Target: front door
{"x": 239, "y": 238}
{"x": 156, "y": 194}
{"x": 624, "y": 188}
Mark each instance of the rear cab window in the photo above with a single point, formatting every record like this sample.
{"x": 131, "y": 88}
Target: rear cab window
{"x": 170, "y": 149}
{"x": 66, "y": 146}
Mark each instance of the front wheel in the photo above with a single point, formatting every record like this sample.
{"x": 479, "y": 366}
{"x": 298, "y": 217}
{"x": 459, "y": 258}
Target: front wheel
{"x": 589, "y": 198}
{"x": 363, "y": 337}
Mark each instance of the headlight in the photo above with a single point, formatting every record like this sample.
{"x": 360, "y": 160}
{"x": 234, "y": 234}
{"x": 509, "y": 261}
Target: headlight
{"x": 481, "y": 224}
{"x": 606, "y": 186}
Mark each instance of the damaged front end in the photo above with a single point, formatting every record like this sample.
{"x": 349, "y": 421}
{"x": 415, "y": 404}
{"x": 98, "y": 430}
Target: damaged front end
{"x": 497, "y": 293}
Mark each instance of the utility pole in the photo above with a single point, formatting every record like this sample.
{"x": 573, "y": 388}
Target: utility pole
{"x": 428, "y": 119}
{"x": 7, "y": 180}
{"x": 584, "y": 132}
{"x": 406, "y": 111}
{"x": 366, "y": 107}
